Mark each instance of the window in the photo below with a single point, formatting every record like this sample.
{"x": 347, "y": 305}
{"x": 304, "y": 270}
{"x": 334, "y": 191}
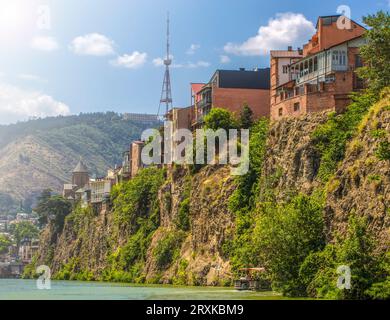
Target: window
{"x": 280, "y": 112}
{"x": 310, "y": 65}
{"x": 343, "y": 58}
{"x": 358, "y": 61}
{"x": 315, "y": 64}
{"x": 339, "y": 58}
{"x": 335, "y": 57}
{"x": 296, "y": 106}
{"x": 285, "y": 69}
{"x": 327, "y": 21}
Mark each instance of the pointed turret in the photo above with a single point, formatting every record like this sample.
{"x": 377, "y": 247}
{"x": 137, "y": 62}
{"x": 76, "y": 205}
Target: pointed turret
{"x": 81, "y": 167}
{"x": 80, "y": 176}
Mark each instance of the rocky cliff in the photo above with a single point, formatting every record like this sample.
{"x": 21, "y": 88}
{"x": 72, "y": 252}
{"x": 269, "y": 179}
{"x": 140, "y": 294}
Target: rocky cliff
{"x": 176, "y": 234}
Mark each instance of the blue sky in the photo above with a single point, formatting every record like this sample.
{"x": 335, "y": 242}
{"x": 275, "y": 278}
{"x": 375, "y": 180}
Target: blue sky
{"x": 71, "y": 56}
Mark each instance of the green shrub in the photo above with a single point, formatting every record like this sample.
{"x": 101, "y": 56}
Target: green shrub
{"x": 331, "y": 137}
{"x": 168, "y": 248}
{"x": 181, "y": 274}
{"x": 219, "y": 118}
{"x": 239, "y": 246}
{"x": 183, "y": 220}
{"x": 383, "y": 151}
{"x": 369, "y": 272}
{"x": 285, "y": 235}
{"x": 5, "y": 242}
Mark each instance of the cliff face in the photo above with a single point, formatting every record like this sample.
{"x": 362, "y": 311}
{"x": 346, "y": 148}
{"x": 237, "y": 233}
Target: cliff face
{"x": 361, "y": 185}
{"x": 185, "y": 243}
{"x": 291, "y": 156}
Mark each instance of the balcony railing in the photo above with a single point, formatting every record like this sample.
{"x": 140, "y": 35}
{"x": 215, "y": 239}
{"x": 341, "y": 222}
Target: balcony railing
{"x": 204, "y": 103}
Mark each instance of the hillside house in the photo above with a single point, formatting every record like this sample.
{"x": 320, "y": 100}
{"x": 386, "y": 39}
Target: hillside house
{"x": 231, "y": 89}
{"x": 321, "y": 75}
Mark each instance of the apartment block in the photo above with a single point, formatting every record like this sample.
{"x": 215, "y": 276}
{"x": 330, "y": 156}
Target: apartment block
{"x": 322, "y": 75}
{"x": 230, "y": 90}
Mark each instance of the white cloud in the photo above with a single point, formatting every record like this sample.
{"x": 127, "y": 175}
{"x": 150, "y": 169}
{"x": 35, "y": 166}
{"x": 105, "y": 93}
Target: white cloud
{"x": 284, "y": 30}
{"x": 130, "y": 61}
{"x": 192, "y": 65}
{"x": 31, "y": 77}
{"x": 224, "y": 59}
{"x": 17, "y": 104}
{"x": 159, "y": 62}
{"x": 193, "y": 48}
{"x": 201, "y": 64}
{"x": 93, "y": 44}
{"x": 44, "y": 43}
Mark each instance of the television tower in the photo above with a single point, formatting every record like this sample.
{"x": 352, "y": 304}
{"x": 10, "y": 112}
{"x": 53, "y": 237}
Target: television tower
{"x": 166, "y": 94}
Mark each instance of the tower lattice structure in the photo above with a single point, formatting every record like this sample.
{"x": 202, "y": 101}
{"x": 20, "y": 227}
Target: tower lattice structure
{"x": 166, "y": 93}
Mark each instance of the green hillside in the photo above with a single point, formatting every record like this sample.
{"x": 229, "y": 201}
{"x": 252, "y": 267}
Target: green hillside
{"x": 41, "y": 153}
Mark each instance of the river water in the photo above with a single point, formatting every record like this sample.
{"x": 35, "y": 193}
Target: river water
{"x": 73, "y": 290}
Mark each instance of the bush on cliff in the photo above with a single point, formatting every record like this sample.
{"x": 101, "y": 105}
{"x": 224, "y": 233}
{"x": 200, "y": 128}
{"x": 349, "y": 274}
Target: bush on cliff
{"x": 331, "y": 137}
{"x": 167, "y": 248}
{"x": 137, "y": 198}
{"x": 239, "y": 249}
{"x": 136, "y": 215}
{"x": 285, "y": 234}
{"x": 369, "y": 271}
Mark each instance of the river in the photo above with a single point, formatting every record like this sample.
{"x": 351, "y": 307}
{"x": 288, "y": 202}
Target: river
{"x": 74, "y": 290}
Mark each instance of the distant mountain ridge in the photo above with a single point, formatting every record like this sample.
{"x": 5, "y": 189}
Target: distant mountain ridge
{"x": 40, "y": 154}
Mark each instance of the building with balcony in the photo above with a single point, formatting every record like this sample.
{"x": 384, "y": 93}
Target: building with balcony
{"x": 322, "y": 75}
{"x": 231, "y": 89}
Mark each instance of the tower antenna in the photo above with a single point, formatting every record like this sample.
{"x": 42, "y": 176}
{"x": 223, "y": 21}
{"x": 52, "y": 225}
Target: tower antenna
{"x": 166, "y": 92}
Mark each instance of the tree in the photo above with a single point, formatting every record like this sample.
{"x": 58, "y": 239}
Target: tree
{"x": 285, "y": 235}
{"x": 376, "y": 53}
{"x": 220, "y": 119}
{"x": 23, "y": 230}
{"x": 42, "y": 205}
{"x": 5, "y": 242}
{"x": 52, "y": 208}
{"x": 246, "y": 117}
{"x": 369, "y": 270}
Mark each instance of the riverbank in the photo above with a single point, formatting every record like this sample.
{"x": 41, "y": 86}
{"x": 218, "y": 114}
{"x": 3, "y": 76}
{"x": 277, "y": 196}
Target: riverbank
{"x": 12, "y": 289}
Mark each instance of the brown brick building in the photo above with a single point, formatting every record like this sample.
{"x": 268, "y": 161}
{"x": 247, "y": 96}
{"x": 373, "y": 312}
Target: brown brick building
{"x": 322, "y": 75}
{"x": 181, "y": 117}
{"x": 136, "y": 161}
{"x": 231, "y": 89}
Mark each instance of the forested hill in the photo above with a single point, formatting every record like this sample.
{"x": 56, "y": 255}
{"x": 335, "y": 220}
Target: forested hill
{"x": 41, "y": 153}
